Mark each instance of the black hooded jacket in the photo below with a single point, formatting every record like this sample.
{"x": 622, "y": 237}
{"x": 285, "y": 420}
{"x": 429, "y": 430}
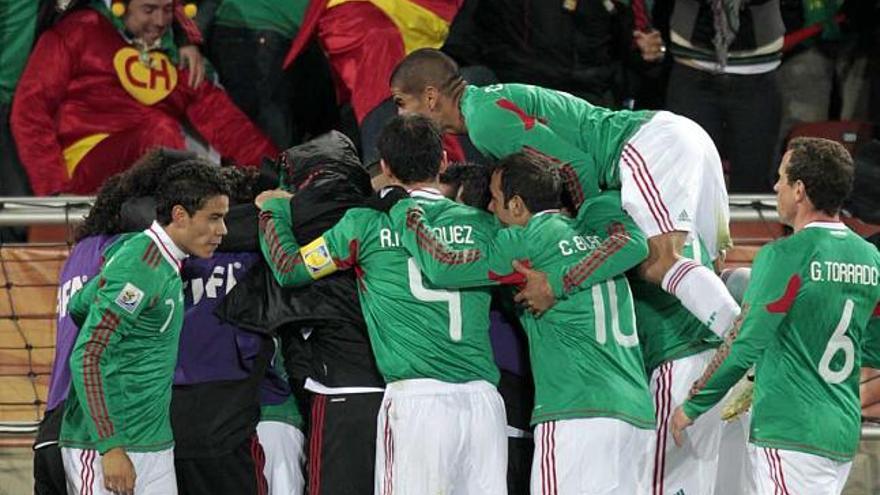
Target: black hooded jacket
{"x": 328, "y": 179}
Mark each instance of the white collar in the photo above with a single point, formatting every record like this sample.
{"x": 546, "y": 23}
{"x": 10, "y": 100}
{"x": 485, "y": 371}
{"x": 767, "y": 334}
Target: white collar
{"x": 425, "y": 192}
{"x": 827, "y": 225}
{"x": 546, "y": 212}
{"x": 173, "y": 254}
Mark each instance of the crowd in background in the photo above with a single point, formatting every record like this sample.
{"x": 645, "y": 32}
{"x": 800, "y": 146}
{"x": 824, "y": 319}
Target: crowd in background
{"x": 748, "y": 71}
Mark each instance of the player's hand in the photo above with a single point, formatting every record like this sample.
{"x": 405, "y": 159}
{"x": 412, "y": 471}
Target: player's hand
{"x": 650, "y": 45}
{"x": 119, "y": 473}
{"x": 680, "y": 421}
{"x": 270, "y": 194}
{"x": 537, "y": 295}
{"x": 191, "y": 58}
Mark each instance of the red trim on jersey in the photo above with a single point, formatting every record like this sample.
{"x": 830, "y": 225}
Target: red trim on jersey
{"x": 346, "y": 263}
{"x": 876, "y": 311}
{"x": 428, "y": 242}
{"x": 782, "y": 304}
{"x": 527, "y": 120}
{"x": 165, "y": 248}
{"x": 92, "y": 380}
{"x": 512, "y": 278}
{"x": 284, "y": 262}
{"x": 566, "y": 172}
{"x": 618, "y": 237}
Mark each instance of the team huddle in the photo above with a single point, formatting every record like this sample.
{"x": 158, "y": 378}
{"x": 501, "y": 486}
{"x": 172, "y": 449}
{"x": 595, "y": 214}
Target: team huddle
{"x": 602, "y": 231}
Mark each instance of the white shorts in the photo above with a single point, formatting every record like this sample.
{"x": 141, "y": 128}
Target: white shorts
{"x": 671, "y": 180}
{"x": 693, "y": 466}
{"x": 591, "y": 456}
{"x": 733, "y": 456}
{"x": 154, "y": 472}
{"x": 437, "y": 437}
{"x": 283, "y": 445}
{"x": 786, "y": 472}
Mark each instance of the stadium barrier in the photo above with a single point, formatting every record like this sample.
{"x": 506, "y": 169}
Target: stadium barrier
{"x": 29, "y": 287}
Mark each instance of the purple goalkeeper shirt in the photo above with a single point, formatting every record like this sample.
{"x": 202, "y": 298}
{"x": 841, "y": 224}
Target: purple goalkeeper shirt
{"x": 84, "y": 262}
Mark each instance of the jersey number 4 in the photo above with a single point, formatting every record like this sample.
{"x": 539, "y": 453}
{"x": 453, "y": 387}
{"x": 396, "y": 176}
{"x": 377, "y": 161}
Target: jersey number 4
{"x": 451, "y": 297}
{"x": 837, "y": 343}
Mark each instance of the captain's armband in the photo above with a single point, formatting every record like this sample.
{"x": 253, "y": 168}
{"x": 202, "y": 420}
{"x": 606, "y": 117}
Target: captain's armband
{"x": 316, "y": 256}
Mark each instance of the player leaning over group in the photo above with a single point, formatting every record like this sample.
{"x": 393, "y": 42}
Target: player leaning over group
{"x": 665, "y": 166}
{"x": 593, "y": 412}
{"x": 441, "y": 427}
{"x": 811, "y": 320}
{"x": 122, "y": 363}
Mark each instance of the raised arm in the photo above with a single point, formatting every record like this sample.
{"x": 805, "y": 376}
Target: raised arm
{"x": 293, "y": 265}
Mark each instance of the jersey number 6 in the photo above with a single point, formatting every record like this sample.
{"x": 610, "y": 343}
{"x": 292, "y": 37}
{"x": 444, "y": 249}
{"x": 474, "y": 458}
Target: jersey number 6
{"x": 839, "y": 342}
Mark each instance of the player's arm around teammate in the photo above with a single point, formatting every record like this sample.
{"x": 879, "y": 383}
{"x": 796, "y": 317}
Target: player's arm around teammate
{"x": 492, "y": 261}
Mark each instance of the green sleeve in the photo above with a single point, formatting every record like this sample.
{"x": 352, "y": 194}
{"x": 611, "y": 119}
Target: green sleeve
{"x": 115, "y": 300}
{"x": 295, "y": 265}
{"x": 498, "y": 132}
{"x": 772, "y": 289}
{"x": 624, "y": 246}
{"x": 80, "y": 303}
{"x": 489, "y": 262}
{"x": 871, "y": 342}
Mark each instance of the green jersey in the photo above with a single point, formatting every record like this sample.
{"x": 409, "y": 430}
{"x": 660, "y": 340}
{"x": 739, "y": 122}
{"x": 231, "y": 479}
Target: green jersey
{"x": 806, "y": 309}
{"x": 286, "y": 412}
{"x": 667, "y": 330}
{"x": 416, "y": 330}
{"x": 122, "y": 364}
{"x": 587, "y": 140}
{"x": 584, "y": 351}
{"x": 282, "y": 16}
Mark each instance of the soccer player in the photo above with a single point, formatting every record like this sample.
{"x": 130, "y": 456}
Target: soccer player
{"x": 122, "y": 362}
{"x": 441, "y": 425}
{"x": 810, "y": 310}
{"x": 593, "y": 411}
{"x": 676, "y": 348}
{"x": 665, "y": 165}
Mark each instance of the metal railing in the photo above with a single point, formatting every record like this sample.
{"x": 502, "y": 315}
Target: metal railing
{"x": 61, "y": 210}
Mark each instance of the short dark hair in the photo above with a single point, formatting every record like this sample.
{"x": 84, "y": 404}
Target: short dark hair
{"x": 472, "y": 180}
{"x": 826, "y": 169}
{"x": 532, "y": 178}
{"x": 427, "y": 67}
{"x": 189, "y": 184}
{"x": 412, "y": 147}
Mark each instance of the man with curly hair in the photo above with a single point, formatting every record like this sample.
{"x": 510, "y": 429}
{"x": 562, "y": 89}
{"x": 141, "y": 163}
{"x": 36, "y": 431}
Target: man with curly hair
{"x": 122, "y": 362}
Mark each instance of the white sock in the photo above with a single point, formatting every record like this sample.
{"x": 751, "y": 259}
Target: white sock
{"x": 703, "y": 294}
